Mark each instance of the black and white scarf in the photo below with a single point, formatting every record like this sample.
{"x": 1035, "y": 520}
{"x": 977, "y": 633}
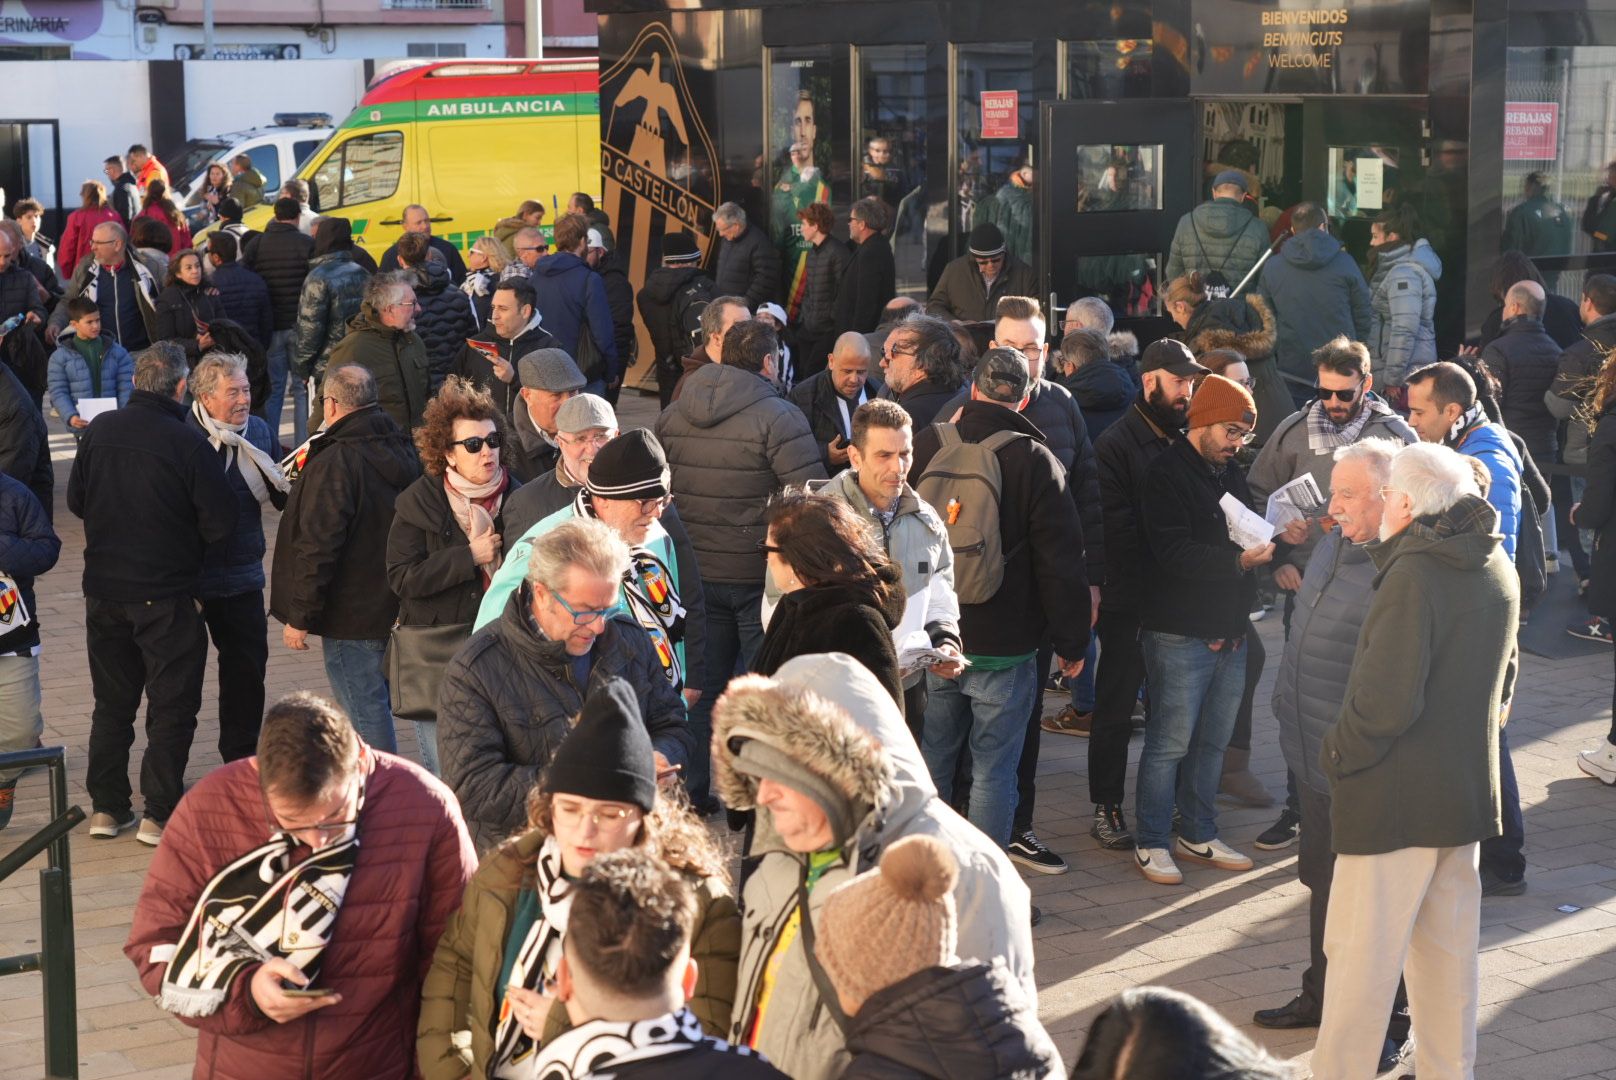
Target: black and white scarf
{"x": 598, "y": 1048}
{"x": 650, "y": 596}
{"x": 258, "y": 907}
{"x": 536, "y": 963}
{"x": 1324, "y": 437}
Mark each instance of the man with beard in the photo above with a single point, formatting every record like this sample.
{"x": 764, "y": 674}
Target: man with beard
{"x": 1344, "y": 411}
{"x": 1122, "y": 454}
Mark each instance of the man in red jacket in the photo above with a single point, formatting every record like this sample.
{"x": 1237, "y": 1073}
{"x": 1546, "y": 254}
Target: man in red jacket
{"x": 315, "y": 877}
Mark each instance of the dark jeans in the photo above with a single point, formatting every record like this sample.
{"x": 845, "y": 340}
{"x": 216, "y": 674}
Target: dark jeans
{"x": 241, "y": 634}
{"x": 1315, "y": 864}
{"x": 1116, "y": 688}
{"x": 159, "y": 647}
{"x": 1256, "y": 657}
{"x": 1501, "y": 855}
{"x": 734, "y": 633}
{"x": 914, "y": 708}
{"x": 1027, "y": 767}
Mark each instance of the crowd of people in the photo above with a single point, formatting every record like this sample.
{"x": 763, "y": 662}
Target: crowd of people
{"x": 729, "y": 728}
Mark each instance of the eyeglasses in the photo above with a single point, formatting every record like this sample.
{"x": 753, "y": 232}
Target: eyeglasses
{"x": 766, "y": 548}
{"x": 1389, "y": 490}
{"x": 605, "y": 817}
{"x": 1340, "y": 395}
{"x": 1238, "y": 434}
{"x": 585, "y": 617}
{"x": 597, "y": 441}
{"x": 474, "y": 444}
{"x": 97, "y": 243}
{"x": 411, "y": 304}
{"x": 326, "y": 829}
{"x": 901, "y": 350}
{"x": 1031, "y": 352}
{"x": 526, "y": 248}
{"x": 646, "y": 506}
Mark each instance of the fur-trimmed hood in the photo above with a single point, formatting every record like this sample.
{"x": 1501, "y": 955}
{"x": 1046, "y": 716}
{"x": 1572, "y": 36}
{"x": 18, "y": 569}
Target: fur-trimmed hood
{"x": 1245, "y": 326}
{"x": 1124, "y": 346}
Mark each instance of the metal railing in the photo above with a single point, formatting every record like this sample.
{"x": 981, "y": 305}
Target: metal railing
{"x": 55, "y": 959}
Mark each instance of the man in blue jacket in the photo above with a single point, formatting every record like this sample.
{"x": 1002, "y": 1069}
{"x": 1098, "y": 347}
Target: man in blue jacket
{"x": 28, "y": 547}
{"x": 1443, "y": 408}
{"x": 243, "y": 295}
{"x": 572, "y": 298}
{"x": 1316, "y": 292}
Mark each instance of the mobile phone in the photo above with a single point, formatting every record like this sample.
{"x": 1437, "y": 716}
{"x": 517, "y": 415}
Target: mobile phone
{"x": 307, "y": 991}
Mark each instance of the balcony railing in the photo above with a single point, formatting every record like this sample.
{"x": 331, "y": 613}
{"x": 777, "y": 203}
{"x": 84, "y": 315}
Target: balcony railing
{"x": 437, "y": 5}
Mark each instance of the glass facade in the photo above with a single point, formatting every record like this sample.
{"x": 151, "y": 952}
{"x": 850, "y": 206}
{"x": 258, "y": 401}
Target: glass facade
{"x": 894, "y": 144}
{"x": 808, "y": 151}
{"x": 997, "y": 89}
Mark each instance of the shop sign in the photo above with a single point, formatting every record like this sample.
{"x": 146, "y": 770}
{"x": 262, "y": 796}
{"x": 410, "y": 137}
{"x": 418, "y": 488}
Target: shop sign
{"x": 1001, "y": 114}
{"x": 240, "y": 52}
{"x": 1286, "y": 46}
{"x": 1531, "y": 130}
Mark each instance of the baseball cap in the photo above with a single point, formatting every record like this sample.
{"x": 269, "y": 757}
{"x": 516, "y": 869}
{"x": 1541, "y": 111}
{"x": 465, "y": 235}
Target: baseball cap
{"x": 1171, "y": 356}
{"x": 1001, "y": 375}
{"x": 595, "y": 240}
{"x": 549, "y": 369}
{"x": 1230, "y": 176}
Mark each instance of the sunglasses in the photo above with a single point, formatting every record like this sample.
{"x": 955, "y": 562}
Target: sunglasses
{"x": 474, "y": 444}
{"x": 1340, "y": 395}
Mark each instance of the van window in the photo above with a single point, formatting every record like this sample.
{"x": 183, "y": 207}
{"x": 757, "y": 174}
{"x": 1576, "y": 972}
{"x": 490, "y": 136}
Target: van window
{"x": 266, "y": 158}
{"x": 361, "y": 170}
{"x": 303, "y": 148}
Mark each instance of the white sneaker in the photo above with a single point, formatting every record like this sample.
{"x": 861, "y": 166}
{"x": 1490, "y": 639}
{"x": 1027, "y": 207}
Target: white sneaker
{"x": 1599, "y": 764}
{"x": 1214, "y": 853}
{"x": 1157, "y": 865}
{"x": 151, "y": 832}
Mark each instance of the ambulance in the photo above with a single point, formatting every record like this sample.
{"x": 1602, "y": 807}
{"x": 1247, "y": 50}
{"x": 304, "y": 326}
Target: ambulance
{"x": 470, "y": 140}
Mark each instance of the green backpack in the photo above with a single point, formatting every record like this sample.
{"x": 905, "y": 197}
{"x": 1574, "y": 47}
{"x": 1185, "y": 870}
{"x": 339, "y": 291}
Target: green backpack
{"x": 962, "y": 483}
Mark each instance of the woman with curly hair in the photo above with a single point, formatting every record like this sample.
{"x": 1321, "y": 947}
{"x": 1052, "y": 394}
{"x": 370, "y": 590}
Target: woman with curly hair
{"x": 842, "y": 593}
{"x": 485, "y": 261}
{"x": 445, "y": 542}
{"x": 487, "y": 1005}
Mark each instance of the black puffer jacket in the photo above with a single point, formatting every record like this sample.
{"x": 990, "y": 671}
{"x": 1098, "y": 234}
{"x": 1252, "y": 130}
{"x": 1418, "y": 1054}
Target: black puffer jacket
{"x": 472, "y": 361}
{"x": 660, "y": 306}
{"x": 442, "y": 317}
{"x": 1052, "y": 410}
{"x": 20, "y": 293}
{"x": 280, "y": 255}
{"x": 964, "y": 1022}
{"x": 25, "y": 441}
{"x": 732, "y": 442}
{"x": 244, "y": 298}
{"x": 179, "y": 308}
{"x": 816, "y": 396}
{"x": 870, "y": 281}
{"x": 332, "y": 294}
{"x": 1524, "y": 359}
{"x": 508, "y": 698}
{"x": 749, "y": 267}
{"x": 330, "y": 571}
{"x": 1103, "y": 390}
{"x": 1123, "y": 454}
{"x": 613, "y": 271}
{"x": 429, "y": 564}
{"x": 839, "y": 618}
{"x": 827, "y": 265}
{"x": 924, "y": 402}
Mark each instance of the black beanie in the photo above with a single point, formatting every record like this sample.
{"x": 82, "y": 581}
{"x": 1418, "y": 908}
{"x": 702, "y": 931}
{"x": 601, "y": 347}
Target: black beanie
{"x": 631, "y": 466}
{"x": 608, "y": 754}
{"x": 986, "y": 240}
{"x": 679, "y": 247}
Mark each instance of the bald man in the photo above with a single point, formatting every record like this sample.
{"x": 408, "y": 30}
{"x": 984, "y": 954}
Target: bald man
{"x": 1524, "y": 358}
{"x": 829, "y": 398}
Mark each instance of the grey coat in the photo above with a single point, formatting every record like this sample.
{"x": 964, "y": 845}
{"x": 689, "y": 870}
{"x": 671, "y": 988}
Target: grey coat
{"x": 1312, "y": 680}
{"x": 1286, "y": 455}
{"x": 732, "y": 441}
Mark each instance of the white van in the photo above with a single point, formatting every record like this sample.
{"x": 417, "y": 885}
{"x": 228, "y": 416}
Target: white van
{"x": 276, "y": 151}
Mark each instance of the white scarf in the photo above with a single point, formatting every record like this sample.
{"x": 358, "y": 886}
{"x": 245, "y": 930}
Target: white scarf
{"x": 264, "y": 473}
{"x": 473, "y": 520}
{"x": 536, "y": 962}
{"x": 600, "y": 1047}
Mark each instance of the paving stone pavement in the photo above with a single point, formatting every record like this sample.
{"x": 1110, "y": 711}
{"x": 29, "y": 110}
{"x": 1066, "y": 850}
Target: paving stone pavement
{"x": 1237, "y": 941}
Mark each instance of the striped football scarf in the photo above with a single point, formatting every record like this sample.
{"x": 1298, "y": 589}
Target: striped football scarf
{"x": 257, "y": 908}
{"x": 535, "y": 964}
{"x": 650, "y": 596}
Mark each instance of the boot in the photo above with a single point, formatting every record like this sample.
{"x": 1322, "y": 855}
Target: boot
{"x": 1239, "y": 784}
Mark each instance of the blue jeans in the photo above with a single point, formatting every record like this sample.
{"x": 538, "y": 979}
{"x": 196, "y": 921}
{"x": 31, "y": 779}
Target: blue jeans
{"x": 987, "y": 712}
{"x": 1194, "y": 696}
{"x": 734, "y": 633}
{"x": 359, "y": 683}
{"x": 426, "y": 734}
{"x": 281, "y": 380}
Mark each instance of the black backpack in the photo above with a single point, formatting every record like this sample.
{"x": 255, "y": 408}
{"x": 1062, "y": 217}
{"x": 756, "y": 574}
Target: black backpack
{"x": 688, "y": 305}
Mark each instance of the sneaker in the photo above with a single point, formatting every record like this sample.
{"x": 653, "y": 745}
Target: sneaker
{"x": 151, "y": 832}
{"x": 1493, "y": 885}
{"x": 1055, "y": 683}
{"x": 8, "y": 799}
{"x": 1029, "y": 851}
{"x": 1110, "y": 828}
{"x": 1258, "y": 613}
{"x": 106, "y": 826}
{"x": 1282, "y": 833}
{"x": 1214, "y": 853}
{"x": 1157, "y": 865}
{"x": 1068, "y": 722}
{"x": 1595, "y": 629}
{"x": 1599, "y": 764}
{"x": 1141, "y": 713}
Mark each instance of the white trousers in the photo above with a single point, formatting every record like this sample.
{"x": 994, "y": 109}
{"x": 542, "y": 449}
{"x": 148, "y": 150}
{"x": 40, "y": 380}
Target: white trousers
{"x": 1414, "y": 912}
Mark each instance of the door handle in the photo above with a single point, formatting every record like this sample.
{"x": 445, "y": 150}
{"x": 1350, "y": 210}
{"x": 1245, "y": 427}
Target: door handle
{"x": 435, "y": 220}
{"x": 391, "y": 221}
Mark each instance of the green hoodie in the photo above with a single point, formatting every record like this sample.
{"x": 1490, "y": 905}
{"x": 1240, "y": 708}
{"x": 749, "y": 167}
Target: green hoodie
{"x": 1413, "y": 757}
{"x": 94, "y": 350}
